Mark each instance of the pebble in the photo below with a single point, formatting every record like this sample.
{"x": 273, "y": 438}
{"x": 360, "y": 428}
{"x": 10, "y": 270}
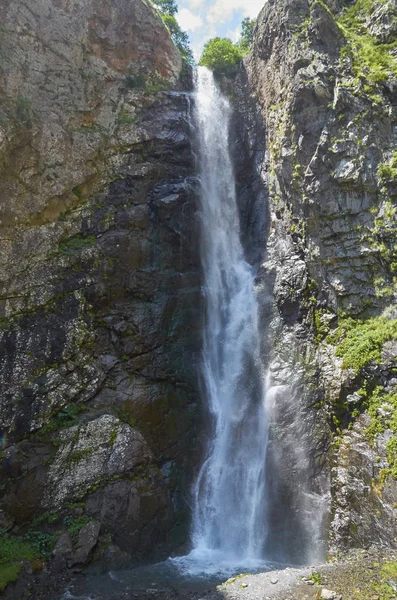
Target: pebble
{"x": 244, "y": 585}
{"x": 273, "y": 580}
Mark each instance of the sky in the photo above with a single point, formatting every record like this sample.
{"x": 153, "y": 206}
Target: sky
{"x": 205, "y": 19}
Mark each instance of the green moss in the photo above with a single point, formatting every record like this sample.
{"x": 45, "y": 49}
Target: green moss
{"x": 78, "y": 455}
{"x": 14, "y": 550}
{"x": 360, "y": 342}
{"x": 76, "y": 243}
{"x": 382, "y": 408}
{"x": 159, "y": 85}
{"x": 126, "y": 118}
{"x": 373, "y": 62}
{"x": 63, "y": 419}
{"x": 322, "y": 319}
{"x": 125, "y": 415}
{"x": 236, "y": 578}
{"x": 386, "y": 172}
{"x": 113, "y": 437}
{"x": 9, "y": 573}
{"x": 74, "y": 524}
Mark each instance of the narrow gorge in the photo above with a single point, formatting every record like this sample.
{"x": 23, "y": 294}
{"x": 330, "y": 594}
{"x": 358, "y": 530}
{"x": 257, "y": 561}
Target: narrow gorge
{"x": 198, "y": 323}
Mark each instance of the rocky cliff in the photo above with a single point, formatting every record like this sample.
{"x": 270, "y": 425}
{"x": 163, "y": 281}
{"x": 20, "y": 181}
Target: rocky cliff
{"x": 323, "y": 77}
{"x": 99, "y": 279}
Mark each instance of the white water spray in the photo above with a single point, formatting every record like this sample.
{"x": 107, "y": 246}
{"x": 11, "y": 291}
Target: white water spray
{"x": 229, "y": 509}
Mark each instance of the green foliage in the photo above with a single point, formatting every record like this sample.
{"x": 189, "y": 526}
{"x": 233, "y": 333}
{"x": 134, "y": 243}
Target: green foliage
{"x": 373, "y": 62}
{"x": 159, "y": 85}
{"x": 168, "y": 7}
{"x": 41, "y": 543}
{"x": 168, "y": 10}
{"x": 13, "y": 550}
{"x": 386, "y": 172}
{"x": 360, "y": 342}
{"x": 315, "y": 577}
{"x": 322, "y": 319}
{"x": 247, "y": 34}
{"x": 66, "y": 417}
{"x": 78, "y": 455}
{"x": 126, "y": 118}
{"x": 221, "y": 56}
{"x": 124, "y": 415}
{"x": 179, "y": 37}
{"x": 382, "y": 408}
{"x": 9, "y": 573}
{"x": 46, "y": 517}
{"x": 113, "y": 437}
{"x": 16, "y": 548}
{"x": 74, "y": 524}
{"x": 76, "y": 243}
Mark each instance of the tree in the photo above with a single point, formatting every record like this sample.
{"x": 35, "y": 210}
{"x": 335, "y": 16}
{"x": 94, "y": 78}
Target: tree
{"x": 179, "y": 37}
{"x": 221, "y": 56}
{"x": 247, "y": 31}
{"x": 168, "y": 10}
{"x": 168, "y": 7}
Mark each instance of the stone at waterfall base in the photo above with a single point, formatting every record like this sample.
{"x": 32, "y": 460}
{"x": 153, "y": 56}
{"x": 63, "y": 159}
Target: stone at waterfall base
{"x": 329, "y": 595}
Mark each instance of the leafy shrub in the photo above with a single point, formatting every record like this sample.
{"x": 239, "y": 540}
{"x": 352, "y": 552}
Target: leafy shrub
{"x": 360, "y": 342}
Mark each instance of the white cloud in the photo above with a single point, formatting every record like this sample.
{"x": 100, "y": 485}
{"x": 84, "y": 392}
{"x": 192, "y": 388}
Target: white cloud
{"x": 196, "y": 3}
{"x": 198, "y": 45}
{"x": 188, "y": 20}
{"x": 222, "y": 10}
{"x": 234, "y": 34}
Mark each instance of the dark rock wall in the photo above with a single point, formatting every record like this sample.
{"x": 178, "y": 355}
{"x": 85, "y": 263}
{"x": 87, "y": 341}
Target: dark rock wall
{"x": 100, "y": 298}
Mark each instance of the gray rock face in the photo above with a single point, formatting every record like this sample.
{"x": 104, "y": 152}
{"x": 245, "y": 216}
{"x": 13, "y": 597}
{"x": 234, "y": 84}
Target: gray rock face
{"x": 329, "y": 137}
{"x": 87, "y": 540}
{"x": 99, "y": 278}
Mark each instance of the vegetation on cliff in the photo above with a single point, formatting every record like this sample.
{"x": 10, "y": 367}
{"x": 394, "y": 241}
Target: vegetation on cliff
{"x": 222, "y": 56}
{"x": 168, "y": 10}
{"x": 373, "y": 61}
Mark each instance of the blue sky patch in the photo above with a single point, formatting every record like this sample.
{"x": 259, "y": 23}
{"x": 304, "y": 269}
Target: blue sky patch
{"x": 205, "y": 19}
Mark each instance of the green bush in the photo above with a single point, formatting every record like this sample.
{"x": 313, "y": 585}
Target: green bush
{"x": 360, "y": 342}
{"x": 221, "y": 56}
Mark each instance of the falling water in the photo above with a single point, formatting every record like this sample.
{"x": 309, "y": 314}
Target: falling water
{"x": 229, "y": 508}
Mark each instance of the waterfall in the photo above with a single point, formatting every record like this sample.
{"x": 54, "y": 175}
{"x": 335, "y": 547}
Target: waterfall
{"x": 229, "y": 514}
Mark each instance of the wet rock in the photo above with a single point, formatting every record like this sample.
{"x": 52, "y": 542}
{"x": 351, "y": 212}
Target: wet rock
{"x": 87, "y": 540}
{"x": 99, "y": 330}
{"x": 62, "y": 552}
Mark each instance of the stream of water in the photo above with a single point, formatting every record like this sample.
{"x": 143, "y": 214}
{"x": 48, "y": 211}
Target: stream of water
{"x": 229, "y": 515}
{"x": 229, "y": 531}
